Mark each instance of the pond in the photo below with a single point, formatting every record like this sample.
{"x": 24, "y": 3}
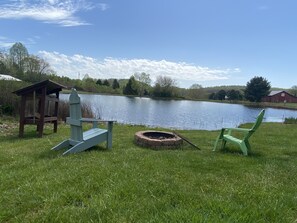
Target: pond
{"x": 177, "y": 114}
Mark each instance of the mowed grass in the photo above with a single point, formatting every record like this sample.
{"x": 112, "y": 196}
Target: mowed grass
{"x": 134, "y": 184}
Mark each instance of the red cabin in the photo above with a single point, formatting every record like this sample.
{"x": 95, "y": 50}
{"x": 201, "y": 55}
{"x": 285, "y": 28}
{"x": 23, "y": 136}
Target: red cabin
{"x": 280, "y": 96}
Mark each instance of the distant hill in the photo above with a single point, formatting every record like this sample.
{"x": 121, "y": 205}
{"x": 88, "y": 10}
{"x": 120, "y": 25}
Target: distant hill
{"x": 224, "y": 87}
{"x": 234, "y": 87}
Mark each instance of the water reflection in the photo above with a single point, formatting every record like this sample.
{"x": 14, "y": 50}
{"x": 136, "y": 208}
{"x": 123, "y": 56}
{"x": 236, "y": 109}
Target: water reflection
{"x": 177, "y": 114}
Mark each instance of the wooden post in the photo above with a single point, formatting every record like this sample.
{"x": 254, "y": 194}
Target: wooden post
{"x": 42, "y": 112}
{"x": 109, "y": 135}
{"x": 34, "y": 105}
{"x": 22, "y": 116}
{"x": 56, "y": 109}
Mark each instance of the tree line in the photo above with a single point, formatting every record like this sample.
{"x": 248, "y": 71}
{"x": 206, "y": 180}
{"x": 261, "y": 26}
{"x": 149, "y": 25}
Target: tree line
{"x": 29, "y": 68}
{"x": 18, "y": 63}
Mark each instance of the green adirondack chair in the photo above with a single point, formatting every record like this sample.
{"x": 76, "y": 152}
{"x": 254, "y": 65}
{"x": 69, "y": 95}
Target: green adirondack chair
{"x": 79, "y": 140}
{"x": 243, "y": 142}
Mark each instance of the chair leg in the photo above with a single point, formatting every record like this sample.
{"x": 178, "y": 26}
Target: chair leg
{"x": 244, "y": 148}
{"x": 109, "y": 136}
{"x": 248, "y": 146}
{"x": 216, "y": 143}
{"x": 61, "y": 145}
{"x": 220, "y": 137}
{"x": 77, "y": 148}
{"x": 109, "y": 140}
{"x": 55, "y": 126}
{"x": 223, "y": 144}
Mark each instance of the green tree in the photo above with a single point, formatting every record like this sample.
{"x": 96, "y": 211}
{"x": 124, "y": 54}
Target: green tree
{"x": 87, "y": 84}
{"x": 220, "y": 95}
{"x": 106, "y": 82}
{"x": 115, "y": 84}
{"x": 99, "y": 82}
{"x": 131, "y": 87}
{"x": 196, "y": 91}
{"x": 256, "y": 89}
{"x": 293, "y": 90}
{"x": 3, "y": 63}
{"x": 144, "y": 81}
{"x": 3, "y": 68}
{"x": 212, "y": 96}
{"x": 17, "y": 53}
{"x": 234, "y": 95}
{"x": 164, "y": 87}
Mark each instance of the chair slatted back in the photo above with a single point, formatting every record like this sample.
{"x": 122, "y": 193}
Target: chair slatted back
{"x": 256, "y": 125}
{"x": 258, "y": 120}
{"x": 75, "y": 116}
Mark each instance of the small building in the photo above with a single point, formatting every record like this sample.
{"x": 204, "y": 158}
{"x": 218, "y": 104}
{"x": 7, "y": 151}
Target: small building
{"x": 280, "y": 96}
{"x": 39, "y": 105}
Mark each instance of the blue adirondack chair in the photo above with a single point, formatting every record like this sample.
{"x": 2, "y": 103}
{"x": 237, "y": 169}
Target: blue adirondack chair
{"x": 79, "y": 140}
{"x": 226, "y": 135}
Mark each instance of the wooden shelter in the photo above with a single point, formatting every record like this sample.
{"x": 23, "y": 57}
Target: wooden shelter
{"x": 280, "y": 96}
{"x": 39, "y": 105}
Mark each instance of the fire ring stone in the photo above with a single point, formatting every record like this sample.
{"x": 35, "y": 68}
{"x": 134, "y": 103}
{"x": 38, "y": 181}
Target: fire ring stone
{"x": 157, "y": 139}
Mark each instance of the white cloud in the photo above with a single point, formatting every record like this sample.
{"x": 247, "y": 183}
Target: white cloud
{"x": 7, "y": 42}
{"x": 60, "y": 12}
{"x": 4, "y": 44}
{"x": 71, "y": 66}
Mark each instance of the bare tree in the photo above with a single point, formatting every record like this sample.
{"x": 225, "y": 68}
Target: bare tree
{"x": 35, "y": 68}
{"x": 196, "y": 91}
{"x": 165, "y": 87}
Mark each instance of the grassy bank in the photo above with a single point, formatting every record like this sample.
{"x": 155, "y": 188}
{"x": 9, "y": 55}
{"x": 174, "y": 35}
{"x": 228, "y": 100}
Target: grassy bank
{"x": 292, "y": 106}
{"x": 133, "y": 184}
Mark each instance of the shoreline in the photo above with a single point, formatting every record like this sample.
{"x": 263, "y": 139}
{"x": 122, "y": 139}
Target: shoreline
{"x": 281, "y": 105}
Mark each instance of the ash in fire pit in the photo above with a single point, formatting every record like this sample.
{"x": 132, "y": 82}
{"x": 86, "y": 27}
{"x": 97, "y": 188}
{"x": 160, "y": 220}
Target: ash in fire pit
{"x": 158, "y": 135}
{"x": 157, "y": 139}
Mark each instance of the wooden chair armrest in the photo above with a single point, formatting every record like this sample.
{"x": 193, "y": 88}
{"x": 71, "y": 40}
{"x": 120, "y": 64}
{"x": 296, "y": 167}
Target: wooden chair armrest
{"x": 89, "y": 120}
{"x": 230, "y": 130}
{"x": 95, "y": 120}
{"x": 238, "y": 129}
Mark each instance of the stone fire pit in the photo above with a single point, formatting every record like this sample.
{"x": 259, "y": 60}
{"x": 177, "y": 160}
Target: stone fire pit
{"x": 158, "y": 139}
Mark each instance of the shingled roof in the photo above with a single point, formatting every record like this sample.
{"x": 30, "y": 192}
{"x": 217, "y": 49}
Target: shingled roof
{"x": 51, "y": 87}
{"x": 274, "y": 93}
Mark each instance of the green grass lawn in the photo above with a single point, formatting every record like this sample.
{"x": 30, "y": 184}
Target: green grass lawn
{"x": 134, "y": 184}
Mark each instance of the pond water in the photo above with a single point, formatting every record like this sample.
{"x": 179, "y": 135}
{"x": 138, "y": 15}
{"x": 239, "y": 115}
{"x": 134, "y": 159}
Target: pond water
{"x": 177, "y": 114}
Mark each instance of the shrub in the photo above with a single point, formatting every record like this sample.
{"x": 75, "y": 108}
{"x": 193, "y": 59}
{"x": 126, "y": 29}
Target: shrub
{"x": 290, "y": 121}
{"x": 7, "y": 109}
{"x": 86, "y": 110}
{"x": 63, "y": 111}
{"x": 10, "y": 102}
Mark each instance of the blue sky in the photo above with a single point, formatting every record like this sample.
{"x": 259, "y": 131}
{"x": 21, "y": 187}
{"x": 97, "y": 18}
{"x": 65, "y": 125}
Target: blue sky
{"x": 207, "y": 42}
